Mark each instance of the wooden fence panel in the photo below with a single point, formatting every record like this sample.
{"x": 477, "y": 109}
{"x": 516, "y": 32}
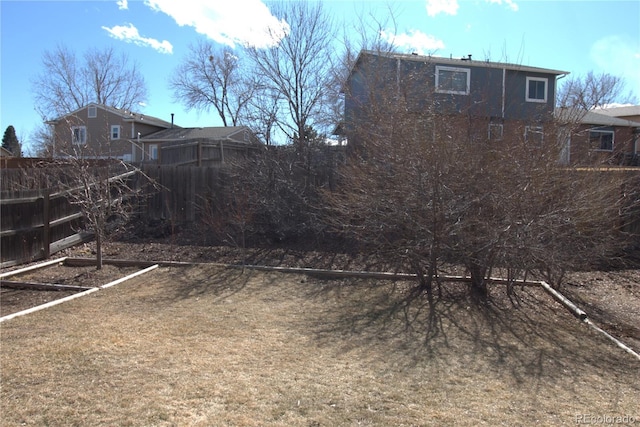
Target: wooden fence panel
{"x": 35, "y": 221}
{"x": 183, "y": 189}
{"x": 32, "y": 221}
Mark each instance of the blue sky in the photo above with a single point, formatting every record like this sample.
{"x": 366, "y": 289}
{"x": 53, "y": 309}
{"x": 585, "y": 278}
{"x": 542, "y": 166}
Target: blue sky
{"x": 576, "y": 36}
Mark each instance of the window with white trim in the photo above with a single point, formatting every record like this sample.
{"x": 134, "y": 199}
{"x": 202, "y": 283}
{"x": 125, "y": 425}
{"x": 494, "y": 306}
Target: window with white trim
{"x": 453, "y": 80}
{"x": 496, "y": 131}
{"x": 79, "y": 135}
{"x": 153, "y": 151}
{"x": 536, "y": 89}
{"x": 115, "y": 132}
{"x": 601, "y": 140}
{"x": 92, "y": 112}
{"x": 534, "y": 134}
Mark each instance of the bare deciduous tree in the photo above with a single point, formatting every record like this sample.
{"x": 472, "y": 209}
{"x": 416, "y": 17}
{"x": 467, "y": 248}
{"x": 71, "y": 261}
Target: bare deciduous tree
{"x": 43, "y": 141}
{"x": 296, "y": 70}
{"x": 67, "y": 83}
{"x": 262, "y": 112}
{"x": 369, "y": 31}
{"x": 593, "y": 91}
{"x": 212, "y": 78}
{"x": 102, "y": 191}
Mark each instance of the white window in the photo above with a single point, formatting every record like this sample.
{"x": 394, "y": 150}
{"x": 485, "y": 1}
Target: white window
{"x": 453, "y": 80}
{"x": 495, "y": 131}
{"x": 536, "y": 89}
{"x": 92, "y": 112}
{"x": 601, "y": 140}
{"x": 153, "y": 151}
{"x": 534, "y": 134}
{"x": 79, "y": 135}
{"x": 115, "y": 131}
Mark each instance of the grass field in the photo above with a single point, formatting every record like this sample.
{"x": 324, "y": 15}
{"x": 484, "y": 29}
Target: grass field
{"x": 207, "y": 346}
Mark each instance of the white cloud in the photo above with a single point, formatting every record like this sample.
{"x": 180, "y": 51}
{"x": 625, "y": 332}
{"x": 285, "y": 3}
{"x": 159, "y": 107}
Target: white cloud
{"x": 130, "y": 34}
{"x": 414, "y": 41}
{"x": 509, "y": 3}
{"x": 450, "y": 7}
{"x": 245, "y": 22}
{"x": 434, "y": 7}
{"x": 618, "y": 56}
{"x": 123, "y": 4}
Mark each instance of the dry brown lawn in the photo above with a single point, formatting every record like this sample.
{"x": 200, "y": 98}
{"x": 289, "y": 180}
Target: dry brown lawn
{"x": 208, "y": 346}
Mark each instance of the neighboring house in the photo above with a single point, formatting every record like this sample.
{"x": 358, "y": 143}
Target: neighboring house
{"x": 5, "y": 153}
{"x": 500, "y": 98}
{"x": 629, "y": 112}
{"x": 198, "y": 146}
{"x": 595, "y": 138}
{"x": 99, "y": 131}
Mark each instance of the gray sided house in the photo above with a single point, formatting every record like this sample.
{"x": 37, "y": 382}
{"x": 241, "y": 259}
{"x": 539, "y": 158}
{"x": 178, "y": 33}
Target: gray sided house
{"x": 199, "y": 146}
{"x": 98, "y": 131}
{"x": 500, "y": 97}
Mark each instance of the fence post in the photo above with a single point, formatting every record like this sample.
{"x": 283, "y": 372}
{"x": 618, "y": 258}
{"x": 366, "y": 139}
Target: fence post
{"x": 46, "y": 220}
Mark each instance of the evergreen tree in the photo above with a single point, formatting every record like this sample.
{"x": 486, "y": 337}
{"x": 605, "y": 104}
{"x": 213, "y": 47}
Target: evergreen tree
{"x": 10, "y": 142}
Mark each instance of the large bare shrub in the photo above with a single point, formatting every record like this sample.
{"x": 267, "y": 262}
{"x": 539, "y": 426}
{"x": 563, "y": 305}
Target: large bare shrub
{"x": 428, "y": 187}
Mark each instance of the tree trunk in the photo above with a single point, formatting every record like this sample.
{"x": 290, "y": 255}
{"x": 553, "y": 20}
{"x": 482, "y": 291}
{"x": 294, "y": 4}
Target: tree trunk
{"x": 478, "y": 282}
{"x": 425, "y": 283}
{"x": 98, "y": 250}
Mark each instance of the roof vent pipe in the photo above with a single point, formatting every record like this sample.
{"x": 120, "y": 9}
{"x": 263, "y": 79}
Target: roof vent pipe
{"x": 171, "y": 120}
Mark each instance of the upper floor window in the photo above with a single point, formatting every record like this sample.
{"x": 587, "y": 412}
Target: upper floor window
{"x": 79, "y": 135}
{"x": 536, "y": 89}
{"x": 601, "y": 140}
{"x": 92, "y": 111}
{"x": 115, "y": 131}
{"x": 452, "y": 80}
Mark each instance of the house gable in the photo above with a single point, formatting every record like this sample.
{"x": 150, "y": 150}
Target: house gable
{"x": 99, "y": 131}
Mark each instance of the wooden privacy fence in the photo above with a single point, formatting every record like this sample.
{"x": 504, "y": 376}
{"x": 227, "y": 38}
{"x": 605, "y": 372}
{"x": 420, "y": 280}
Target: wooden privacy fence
{"x": 182, "y": 191}
{"x": 35, "y": 224}
{"x": 203, "y": 153}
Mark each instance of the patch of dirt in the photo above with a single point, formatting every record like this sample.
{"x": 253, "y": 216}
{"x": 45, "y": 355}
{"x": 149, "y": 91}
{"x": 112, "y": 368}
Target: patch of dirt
{"x": 611, "y": 299}
{"x": 13, "y": 300}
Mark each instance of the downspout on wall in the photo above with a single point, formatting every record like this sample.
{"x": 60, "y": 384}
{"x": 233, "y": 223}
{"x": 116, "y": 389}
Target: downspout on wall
{"x": 504, "y": 91}
{"x": 398, "y": 68}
